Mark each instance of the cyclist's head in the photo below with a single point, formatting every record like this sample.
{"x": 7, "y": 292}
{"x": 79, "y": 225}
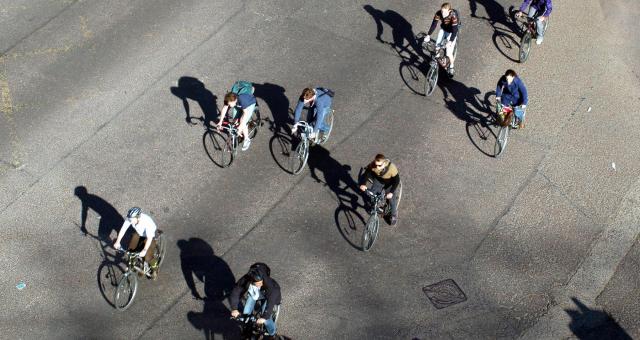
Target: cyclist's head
{"x": 379, "y": 161}
{"x": 256, "y": 277}
{"x": 134, "y": 213}
{"x": 230, "y": 99}
{"x": 446, "y": 9}
{"x": 308, "y": 95}
{"x": 510, "y": 74}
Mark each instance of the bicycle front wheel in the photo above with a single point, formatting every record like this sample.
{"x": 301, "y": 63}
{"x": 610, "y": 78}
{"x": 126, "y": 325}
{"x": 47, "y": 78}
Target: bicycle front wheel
{"x": 298, "y": 159}
{"x": 370, "y": 233}
{"x": 525, "y": 47}
{"x": 431, "y": 79}
{"x": 501, "y": 141}
{"x": 126, "y": 291}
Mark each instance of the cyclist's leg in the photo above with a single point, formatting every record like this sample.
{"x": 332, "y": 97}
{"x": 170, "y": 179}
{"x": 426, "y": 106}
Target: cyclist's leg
{"x": 149, "y": 255}
{"x": 244, "y": 120}
{"x": 450, "y": 52}
{"x": 319, "y": 123}
{"x": 520, "y": 113}
{"x": 394, "y": 203}
{"x": 134, "y": 242}
{"x": 249, "y": 305}
{"x": 440, "y": 36}
{"x": 271, "y": 327}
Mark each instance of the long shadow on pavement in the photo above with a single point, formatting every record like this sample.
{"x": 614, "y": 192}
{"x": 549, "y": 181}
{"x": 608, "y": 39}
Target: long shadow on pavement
{"x": 280, "y": 144}
{"x": 198, "y": 261}
{"x": 327, "y": 170}
{"x": 506, "y": 31}
{"x": 590, "y": 324}
{"x": 194, "y": 89}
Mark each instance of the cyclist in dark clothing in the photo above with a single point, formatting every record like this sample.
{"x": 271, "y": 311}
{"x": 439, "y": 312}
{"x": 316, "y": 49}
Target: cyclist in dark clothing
{"x": 449, "y": 23}
{"x": 257, "y": 285}
{"x": 512, "y": 92}
{"x": 384, "y": 176}
{"x": 539, "y": 10}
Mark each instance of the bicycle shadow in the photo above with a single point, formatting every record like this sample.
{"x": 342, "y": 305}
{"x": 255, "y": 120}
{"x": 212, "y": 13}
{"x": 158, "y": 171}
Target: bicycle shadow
{"x": 482, "y": 129}
{"x": 413, "y": 66}
{"x": 198, "y": 261}
{"x": 505, "y": 28}
{"x": 587, "y": 323}
{"x": 337, "y": 178}
{"x": 194, "y": 89}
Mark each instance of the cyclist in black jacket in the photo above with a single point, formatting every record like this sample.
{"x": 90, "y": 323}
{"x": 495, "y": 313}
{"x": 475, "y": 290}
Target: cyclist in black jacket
{"x": 257, "y": 285}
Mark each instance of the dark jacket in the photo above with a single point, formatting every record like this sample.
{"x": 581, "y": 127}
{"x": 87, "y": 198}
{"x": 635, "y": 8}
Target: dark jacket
{"x": 388, "y": 175}
{"x": 270, "y": 289}
{"x": 513, "y": 94}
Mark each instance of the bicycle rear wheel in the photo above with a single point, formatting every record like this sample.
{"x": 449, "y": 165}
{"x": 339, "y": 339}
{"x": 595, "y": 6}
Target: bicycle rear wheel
{"x": 431, "y": 79}
{"x": 370, "y": 233}
{"x": 328, "y": 121}
{"x": 254, "y": 123}
{"x": 298, "y": 158}
{"x": 501, "y": 141}
{"x": 525, "y": 46}
{"x": 126, "y": 291}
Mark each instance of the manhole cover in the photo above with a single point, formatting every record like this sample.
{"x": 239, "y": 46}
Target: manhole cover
{"x": 444, "y": 293}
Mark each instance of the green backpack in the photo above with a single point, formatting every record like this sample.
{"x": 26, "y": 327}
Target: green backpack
{"x": 242, "y": 87}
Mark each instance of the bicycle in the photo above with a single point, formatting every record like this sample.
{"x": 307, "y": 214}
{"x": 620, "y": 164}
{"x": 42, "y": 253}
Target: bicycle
{"x": 379, "y": 206}
{"x": 128, "y": 284}
{"x": 438, "y": 58}
{"x": 298, "y": 159}
{"x": 232, "y": 140}
{"x": 530, "y": 29}
{"x": 507, "y": 120}
{"x": 249, "y": 329}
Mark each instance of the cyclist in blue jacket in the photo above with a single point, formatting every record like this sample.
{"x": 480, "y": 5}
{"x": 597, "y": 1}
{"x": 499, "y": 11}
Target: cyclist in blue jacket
{"x": 539, "y": 10}
{"x": 512, "y": 92}
{"x": 318, "y": 101}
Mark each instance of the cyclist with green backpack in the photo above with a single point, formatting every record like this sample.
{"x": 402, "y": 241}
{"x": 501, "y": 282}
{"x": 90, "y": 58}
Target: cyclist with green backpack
{"x": 318, "y": 103}
{"x": 239, "y": 105}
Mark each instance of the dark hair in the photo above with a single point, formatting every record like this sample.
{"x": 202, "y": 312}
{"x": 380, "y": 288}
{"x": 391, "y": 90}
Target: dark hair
{"x": 511, "y": 73}
{"x": 255, "y": 275}
{"x": 380, "y": 157}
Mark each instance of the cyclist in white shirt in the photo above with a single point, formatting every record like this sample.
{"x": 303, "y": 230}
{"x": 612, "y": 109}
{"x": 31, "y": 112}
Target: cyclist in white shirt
{"x": 143, "y": 239}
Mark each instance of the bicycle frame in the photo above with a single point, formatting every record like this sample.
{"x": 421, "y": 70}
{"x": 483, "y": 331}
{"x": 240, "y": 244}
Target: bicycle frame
{"x": 232, "y": 131}
{"x": 378, "y": 202}
{"x": 307, "y": 129}
{"x": 135, "y": 264}
{"x": 436, "y": 51}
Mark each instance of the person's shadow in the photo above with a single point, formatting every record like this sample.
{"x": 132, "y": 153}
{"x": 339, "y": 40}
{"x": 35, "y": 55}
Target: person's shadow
{"x": 506, "y": 29}
{"x": 337, "y": 177}
{"x": 590, "y": 324}
{"x": 413, "y": 64}
{"x": 194, "y": 89}
{"x": 198, "y": 261}
{"x": 110, "y": 221}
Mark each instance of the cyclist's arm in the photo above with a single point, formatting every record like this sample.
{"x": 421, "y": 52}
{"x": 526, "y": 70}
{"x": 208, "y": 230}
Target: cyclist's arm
{"x": 395, "y": 181}
{"x": 367, "y": 176}
{"x": 523, "y": 91}
{"x": 223, "y": 113}
{"x": 434, "y": 24}
{"x": 548, "y": 8}
{"x": 454, "y": 28}
{"x": 123, "y": 230}
{"x": 272, "y": 297}
{"x": 298, "y": 112}
{"x": 234, "y": 297}
{"x": 525, "y": 4}
{"x": 499, "y": 89}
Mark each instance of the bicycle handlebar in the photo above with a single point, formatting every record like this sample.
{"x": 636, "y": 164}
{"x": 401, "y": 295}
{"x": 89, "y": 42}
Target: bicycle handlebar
{"x": 126, "y": 251}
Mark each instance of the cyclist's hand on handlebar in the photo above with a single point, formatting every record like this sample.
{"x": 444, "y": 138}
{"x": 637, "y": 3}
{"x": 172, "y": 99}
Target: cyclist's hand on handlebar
{"x": 389, "y": 195}
{"x": 117, "y": 246}
{"x": 261, "y": 321}
{"x": 219, "y": 125}
{"x": 235, "y": 313}
{"x": 427, "y": 38}
{"x": 363, "y": 187}
{"x": 294, "y": 129}
{"x": 519, "y": 14}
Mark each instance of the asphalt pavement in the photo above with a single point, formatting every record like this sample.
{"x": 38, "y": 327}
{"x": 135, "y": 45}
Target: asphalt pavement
{"x": 103, "y": 105}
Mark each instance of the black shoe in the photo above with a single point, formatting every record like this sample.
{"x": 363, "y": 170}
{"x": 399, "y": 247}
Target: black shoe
{"x": 394, "y": 221}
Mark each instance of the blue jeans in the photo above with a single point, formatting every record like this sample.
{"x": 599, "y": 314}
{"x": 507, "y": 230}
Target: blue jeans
{"x": 539, "y": 23}
{"x": 518, "y": 110}
{"x": 319, "y": 119}
{"x": 248, "y": 309}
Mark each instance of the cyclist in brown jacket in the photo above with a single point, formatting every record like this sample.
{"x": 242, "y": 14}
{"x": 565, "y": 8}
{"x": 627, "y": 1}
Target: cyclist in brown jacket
{"x": 385, "y": 177}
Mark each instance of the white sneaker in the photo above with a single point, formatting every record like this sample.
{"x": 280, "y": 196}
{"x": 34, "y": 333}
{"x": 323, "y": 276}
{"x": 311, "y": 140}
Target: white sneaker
{"x": 146, "y": 268}
{"x": 539, "y": 40}
{"x": 312, "y": 135}
{"x": 246, "y": 144}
